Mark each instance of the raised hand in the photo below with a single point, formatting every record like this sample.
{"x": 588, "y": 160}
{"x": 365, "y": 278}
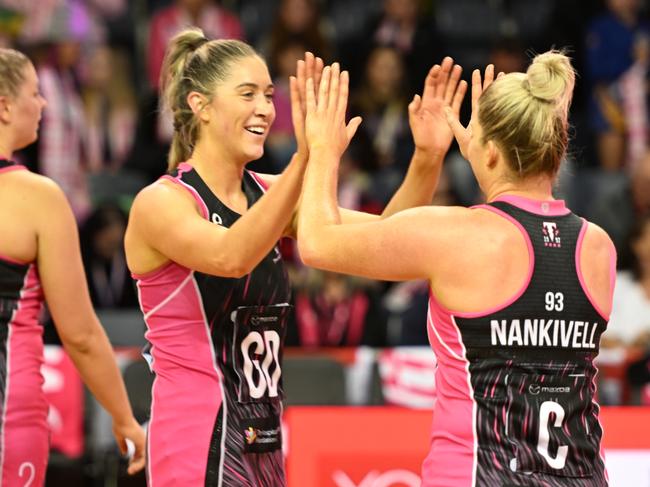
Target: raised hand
{"x": 325, "y": 125}
{"x": 464, "y": 134}
{"x": 442, "y": 88}
{"x": 310, "y": 67}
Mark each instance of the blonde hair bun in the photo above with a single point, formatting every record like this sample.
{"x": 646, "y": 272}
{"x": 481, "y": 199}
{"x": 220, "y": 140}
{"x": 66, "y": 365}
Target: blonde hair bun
{"x": 551, "y": 78}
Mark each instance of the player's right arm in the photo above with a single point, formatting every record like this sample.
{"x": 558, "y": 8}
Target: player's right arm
{"x": 64, "y": 284}
{"x": 165, "y": 224}
{"x": 598, "y": 266}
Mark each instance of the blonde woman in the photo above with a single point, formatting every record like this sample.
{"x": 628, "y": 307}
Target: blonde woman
{"x": 201, "y": 242}
{"x": 521, "y": 288}
{"x": 40, "y": 262}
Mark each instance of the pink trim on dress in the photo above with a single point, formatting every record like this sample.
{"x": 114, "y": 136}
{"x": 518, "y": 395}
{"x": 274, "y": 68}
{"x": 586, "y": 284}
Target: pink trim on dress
{"x": 184, "y": 167}
{"x": 517, "y": 295}
{"x": 15, "y": 167}
{"x": 539, "y": 207}
{"x": 452, "y": 453}
{"x": 583, "y": 284}
{"x": 153, "y": 273}
{"x": 263, "y": 184}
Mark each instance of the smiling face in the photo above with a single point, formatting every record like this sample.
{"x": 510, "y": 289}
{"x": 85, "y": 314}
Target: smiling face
{"x": 238, "y": 118}
{"x": 24, "y": 110}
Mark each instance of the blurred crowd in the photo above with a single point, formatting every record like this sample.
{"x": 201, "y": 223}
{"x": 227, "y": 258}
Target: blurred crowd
{"x": 103, "y": 136}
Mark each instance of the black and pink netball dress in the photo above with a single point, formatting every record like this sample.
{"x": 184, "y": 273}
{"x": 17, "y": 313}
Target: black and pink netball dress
{"x": 516, "y": 384}
{"x": 24, "y": 434}
{"x": 216, "y": 349}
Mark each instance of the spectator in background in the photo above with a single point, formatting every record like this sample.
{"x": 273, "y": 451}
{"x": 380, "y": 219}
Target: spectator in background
{"x": 381, "y": 102}
{"x": 281, "y": 142}
{"x": 109, "y": 109}
{"x": 403, "y": 26}
{"x": 60, "y": 154}
{"x": 617, "y": 56}
{"x": 629, "y": 324}
{"x": 214, "y": 20}
{"x": 102, "y": 250}
{"x": 507, "y": 56}
{"x": 334, "y": 310}
{"x": 621, "y": 201}
{"x": 298, "y": 21}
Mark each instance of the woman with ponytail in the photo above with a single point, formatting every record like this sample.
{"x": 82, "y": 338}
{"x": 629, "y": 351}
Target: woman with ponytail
{"x": 520, "y": 287}
{"x": 202, "y": 244}
{"x": 40, "y": 262}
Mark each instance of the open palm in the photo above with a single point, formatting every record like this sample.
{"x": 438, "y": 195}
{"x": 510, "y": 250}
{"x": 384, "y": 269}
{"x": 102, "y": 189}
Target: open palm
{"x": 463, "y": 134}
{"x": 442, "y": 88}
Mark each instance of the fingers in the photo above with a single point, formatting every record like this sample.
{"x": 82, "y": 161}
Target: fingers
{"x": 309, "y": 64}
{"x": 342, "y": 104}
{"x": 430, "y": 82}
{"x": 452, "y": 84}
{"x": 477, "y": 88}
{"x": 318, "y": 70}
{"x": 352, "y": 126}
{"x": 488, "y": 78}
{"x": 457, "y": 100}
{"x": 301, "y": 81}
{"x": 443, "y": 76}
{"x": 136, "y": 463}
{"x": 455, "y": 125}
{"x": 323, "y": 90}
{"x": 335, "y": 81}
{"x": 311, "y": 98}
{"x": 298, "y": 107}
{"x": 415, "y": 104}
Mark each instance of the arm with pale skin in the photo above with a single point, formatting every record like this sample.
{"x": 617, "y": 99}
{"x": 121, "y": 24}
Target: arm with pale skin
{"x": 400, "y": 247}
{"x": 381, "y": 249}
{"x": 64, "y": 284}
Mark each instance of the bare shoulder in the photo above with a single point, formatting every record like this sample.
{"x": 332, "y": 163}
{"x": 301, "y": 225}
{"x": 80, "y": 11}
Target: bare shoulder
{"x": 38, "y": 186}
{"x": 33, "y": 195}
{"x": 597, "y": 246}
{"x": 598, "y": 266}
{"x": 597, "y": 238}
{"x": 161, "y": 197}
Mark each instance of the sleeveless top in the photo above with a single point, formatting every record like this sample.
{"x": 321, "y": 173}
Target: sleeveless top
{"x": 216, "y": 349}
{"x": 23, "y": 407}
{"x": 516, "y": 384}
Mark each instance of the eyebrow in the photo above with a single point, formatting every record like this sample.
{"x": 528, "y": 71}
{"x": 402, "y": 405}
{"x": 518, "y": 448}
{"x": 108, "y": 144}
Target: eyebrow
{"x": 253, "y": 85}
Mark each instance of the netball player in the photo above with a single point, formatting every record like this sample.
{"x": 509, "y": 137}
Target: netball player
{"x": 201, "y": 242}
{"x": 40, "y": 260}
{"x": 521, "y": 288}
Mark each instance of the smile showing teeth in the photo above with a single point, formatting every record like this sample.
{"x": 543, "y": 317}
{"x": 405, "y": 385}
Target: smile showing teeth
{"x": 256, "y": 130}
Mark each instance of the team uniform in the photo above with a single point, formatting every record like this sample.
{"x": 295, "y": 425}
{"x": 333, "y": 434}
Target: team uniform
{"x": 24, "y": 434}
{"x": 516, "y": 384}
{"x": 216, "y": 349}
